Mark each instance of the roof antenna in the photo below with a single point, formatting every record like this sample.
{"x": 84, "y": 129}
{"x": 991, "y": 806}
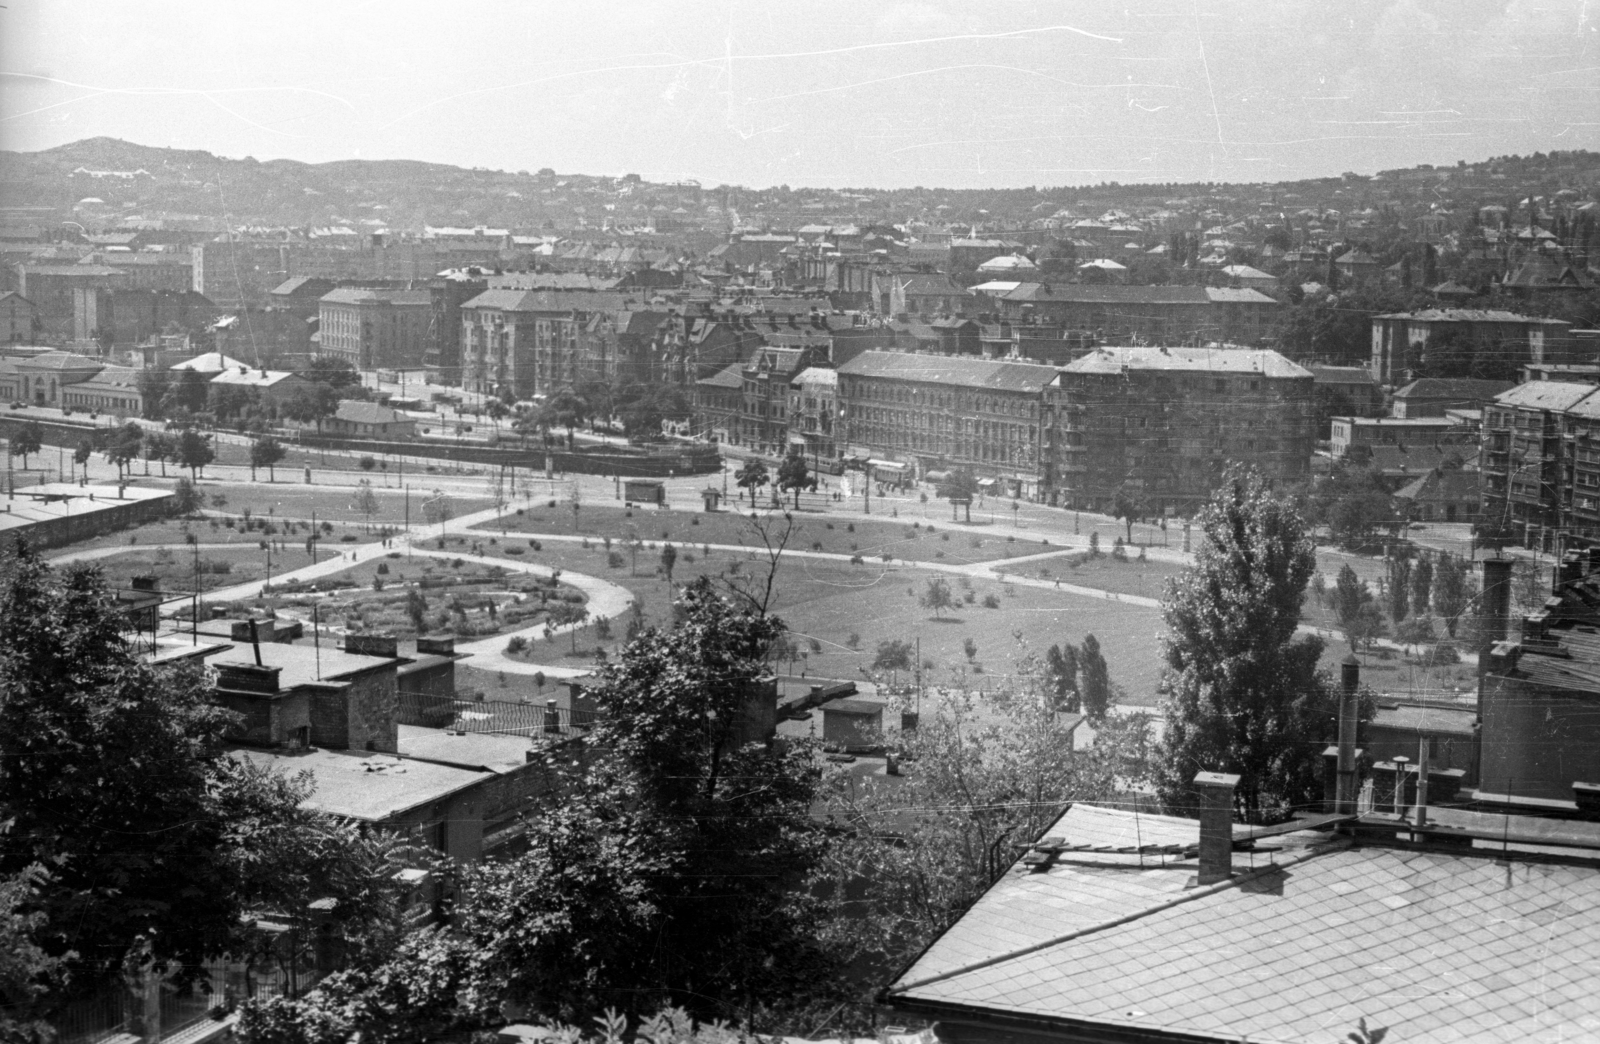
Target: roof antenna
{"x": 316, "y": 637}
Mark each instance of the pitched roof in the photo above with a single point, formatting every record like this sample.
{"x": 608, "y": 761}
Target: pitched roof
{"x": 1325, "y": 374}
{"x": 1091, "y": 293}
{"x": 730, "y": 376}
{"x": 1238, "y": 295}
{"x": 358, "y": 411}
{"x": 962, "y": 371}
{"x": 1437, "y": 946}
{"x": 1470, "y": 315}
{"x": 60, "y": 361}
{"x": 244, "y": 377}
{"x": 1545, "y": 395}
{"x": 1464, "y": 389}
{"x": 210, "y": 362}
{"x": 1261, "y": 361}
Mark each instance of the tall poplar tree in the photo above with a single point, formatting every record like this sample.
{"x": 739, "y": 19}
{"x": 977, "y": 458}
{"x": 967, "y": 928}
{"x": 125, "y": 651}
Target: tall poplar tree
{"x": 1242, "y": 693}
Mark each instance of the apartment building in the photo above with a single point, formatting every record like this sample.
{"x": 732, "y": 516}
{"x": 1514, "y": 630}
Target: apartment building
{"x": 1168, "y": 422}
{"x": 370, "y": 329}
{"x": 1541, "y": 462}
{"x": 1486, "y": 339}
{"x": 933, "y": 413}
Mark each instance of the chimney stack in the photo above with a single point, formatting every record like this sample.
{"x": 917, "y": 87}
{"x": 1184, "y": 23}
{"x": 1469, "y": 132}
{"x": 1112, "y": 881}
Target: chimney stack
{"x": 1215, "y": 790}
{"x": 1496, "y": 601}
{"x": 1350, "y": 678}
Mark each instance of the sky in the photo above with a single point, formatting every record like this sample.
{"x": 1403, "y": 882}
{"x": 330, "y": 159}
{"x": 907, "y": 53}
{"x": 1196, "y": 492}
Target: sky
{"x": 970, "y": 94}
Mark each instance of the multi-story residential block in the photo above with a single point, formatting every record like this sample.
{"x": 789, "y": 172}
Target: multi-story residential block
{"x": 1158, "y": 314}
{"x": 813, "y": 415}
{"x": 122, "y": 318}
{"x": 1541, "y": 462}
{"x": 1168, "y": 421}
{"x": 50, "y": 289}
{"x": 19, "y": 319}
{"x": 764, "y": 413}
{"x": 448, "y": 293}
{"x": 149, "y": 271}
{"x": 934, "y": 413}
{"x": 374, "y": 329}
{"x": 533, "y": 342}
{"x": 1482, "y": 337}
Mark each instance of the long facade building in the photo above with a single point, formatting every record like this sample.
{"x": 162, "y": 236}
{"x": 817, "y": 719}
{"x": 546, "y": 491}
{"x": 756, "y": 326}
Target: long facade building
{"x": 1166, "y": 422}
{"x": 933, "y": 413}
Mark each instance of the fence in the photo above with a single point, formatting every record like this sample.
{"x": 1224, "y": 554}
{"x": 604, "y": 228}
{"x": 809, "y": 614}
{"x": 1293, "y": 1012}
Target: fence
{"x": 162, "y": 1008}
{"x": 496, "y": 716}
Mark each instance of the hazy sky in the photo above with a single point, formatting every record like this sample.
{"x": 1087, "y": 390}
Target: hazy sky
{"x": 965, "y": 94}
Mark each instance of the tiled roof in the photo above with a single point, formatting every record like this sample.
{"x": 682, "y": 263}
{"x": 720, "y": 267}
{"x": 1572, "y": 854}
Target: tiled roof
{"x": 1471, "y": 315}
{"x": 1437, "y": 947}
{"x": 1263, "y": 361}
{"x": 1545, "y": 395}
{"x": 1091, "y": 293}
{"x": 730, "y": 376}
{"x": 356, "y": 411}
{"x": 962, "y": 371}
{"x": 1238, "y": 295}
{"x": 1341, "y": 374}
{"x": 210, "y": 362}
{"x": 1464, "y": 389}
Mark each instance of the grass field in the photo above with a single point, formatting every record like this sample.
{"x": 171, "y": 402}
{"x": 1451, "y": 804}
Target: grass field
{"x": 911, "y": 540}
{"x": 175, "y": 569}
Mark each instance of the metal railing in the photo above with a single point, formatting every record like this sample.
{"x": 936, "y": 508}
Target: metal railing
{"x": 492, "y": 716}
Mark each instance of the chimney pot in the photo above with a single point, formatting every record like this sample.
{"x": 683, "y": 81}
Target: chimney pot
{"x": 1215, "y": 790}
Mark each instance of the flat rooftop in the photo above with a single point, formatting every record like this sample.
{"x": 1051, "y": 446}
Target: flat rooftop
{"x": 359, "y": 784}
{"x": 479, "y": 751}
{"x": 30, "y": 505}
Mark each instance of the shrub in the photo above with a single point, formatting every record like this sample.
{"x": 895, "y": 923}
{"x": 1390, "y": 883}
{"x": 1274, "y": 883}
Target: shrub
{"x": 615, "y": 560}
{"x": 855, "y": 560}
{"x": 694, "y": 520}
{"x": 348, "y": 538}
{"x": 516, "y": 550}
{"x": 816, "y": 545}
{"x": 854, "y": 641}
{"x": 383, "y": 569}
{"x": 945, "y": 537}
{"x": 814, "y": 645}
{"x": 991, "y": 601}
{"x": 850, "y": 527}
{"x": 516, "y": 645}
{"x": 887, "y": 557}
{"x": 536, "y": 545}
{"x": 828, "y": 524}
{"x": 969, "y": 596}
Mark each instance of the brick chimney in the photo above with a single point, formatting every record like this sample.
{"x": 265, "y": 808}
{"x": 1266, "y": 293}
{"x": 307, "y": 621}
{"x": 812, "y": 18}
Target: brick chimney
{"x": 1215, "y": 790}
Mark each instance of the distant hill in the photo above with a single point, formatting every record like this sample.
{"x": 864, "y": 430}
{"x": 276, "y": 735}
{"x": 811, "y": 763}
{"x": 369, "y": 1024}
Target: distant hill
{"x": 406, "y": 194}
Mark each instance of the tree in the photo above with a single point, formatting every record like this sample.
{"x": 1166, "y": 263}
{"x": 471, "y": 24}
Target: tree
{"x": 1096, "y": 679}
{"x": 122, "y": 449}
{"x": 155, "y": 387}
{"x": 366, "y": 501}
{"x": 186, "y": 500}
{"x": 568, "y": 409}
{"x": 1061, "y": 668}
{"x": 265, "y": 452}
{"x": 1415, "y": 632}
{"x": 893, "y": 655}
{"x": 160, "y": 854}
{"x": 1130, "y": 505}
{"x": 793, "y": 474}
{"x": 81, "y": 455}
{"x": 669, "y": 558}
{"x": 1421, "y": 584}
{"x": 1452, "y": 591}
{"x": 1241, "y": 692}
{"x": 417, "y": 610}
{"x": 189, "y": 394}
{"x": 1349, "y": 592}
{"x": 334, "y": 372}
{"x": 29, "y": 440}
{"x": 569, "y": 614}
{"x": 752, "y": 477}
{"x": 159, "y": 446}
{"x": 311, "y": 404}
{"x": 960, "y": 488}
{"x": 911, "y": 854}
{"x": 194, "y": 451}
{"x": 969, "y": 648}
{"x": 937, "y": 596}
{"x": 1399, "y": 586}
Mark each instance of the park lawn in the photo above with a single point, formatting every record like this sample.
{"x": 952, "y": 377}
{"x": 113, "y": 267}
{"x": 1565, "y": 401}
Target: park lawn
{"x": 174, "y": 568}
{"x": 176, "y": 531}
{"x": 338, "y": 505}
{"x": 911, "y": 540}
{"x": 1147, "y": 579}
{"x": 828, "y": 601}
